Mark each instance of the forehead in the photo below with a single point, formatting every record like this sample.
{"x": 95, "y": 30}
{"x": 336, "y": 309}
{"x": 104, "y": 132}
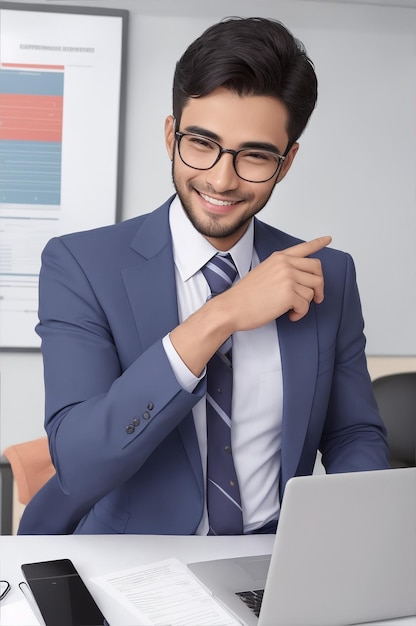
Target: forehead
{"x": 238, "y": 119}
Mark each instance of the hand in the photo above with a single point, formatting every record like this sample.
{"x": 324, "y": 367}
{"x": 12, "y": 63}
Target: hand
{"x": 287, "y": 281}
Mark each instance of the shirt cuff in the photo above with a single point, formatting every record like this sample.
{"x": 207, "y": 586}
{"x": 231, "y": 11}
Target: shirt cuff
{"x": 183, "y": 375}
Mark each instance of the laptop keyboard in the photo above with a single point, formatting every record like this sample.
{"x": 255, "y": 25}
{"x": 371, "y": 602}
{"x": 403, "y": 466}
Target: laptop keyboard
{"x": 252, "y": 599}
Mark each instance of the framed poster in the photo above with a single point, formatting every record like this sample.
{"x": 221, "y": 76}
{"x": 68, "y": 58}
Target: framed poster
{"x": 62, "y": 94}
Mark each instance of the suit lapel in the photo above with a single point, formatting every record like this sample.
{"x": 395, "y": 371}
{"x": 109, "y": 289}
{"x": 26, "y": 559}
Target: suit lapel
{"x": 299, "y": 354}
{"x": 151, "y": 289}
{"x": 299, "y": 351}
{"x": 150, "y": 282}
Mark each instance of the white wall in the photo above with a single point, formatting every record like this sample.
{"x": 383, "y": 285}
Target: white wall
{"x": 354, "y": 177}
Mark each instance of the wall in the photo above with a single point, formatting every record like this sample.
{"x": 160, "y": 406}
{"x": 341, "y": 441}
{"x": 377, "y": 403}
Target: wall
{"x": 354, "y": 176}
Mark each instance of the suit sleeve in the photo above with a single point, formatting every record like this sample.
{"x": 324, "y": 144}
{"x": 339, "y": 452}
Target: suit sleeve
{"x": 354, "y": 437}
{"x": 103, "y": 420}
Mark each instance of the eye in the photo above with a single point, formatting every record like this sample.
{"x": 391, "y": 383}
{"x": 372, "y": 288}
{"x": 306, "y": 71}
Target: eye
{"x": 200, "y": 143}
{"x": 260, "y": 156}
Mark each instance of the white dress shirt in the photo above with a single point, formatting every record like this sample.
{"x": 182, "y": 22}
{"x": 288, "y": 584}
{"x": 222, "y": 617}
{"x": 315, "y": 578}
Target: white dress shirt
{"x": 257, "y": 376}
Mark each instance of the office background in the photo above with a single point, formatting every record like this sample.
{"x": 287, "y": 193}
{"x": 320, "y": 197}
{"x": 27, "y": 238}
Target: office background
{"x": 354, "y": 177}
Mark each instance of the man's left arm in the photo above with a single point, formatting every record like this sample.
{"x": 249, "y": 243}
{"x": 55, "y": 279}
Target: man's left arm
{"x": 354, "y": 437}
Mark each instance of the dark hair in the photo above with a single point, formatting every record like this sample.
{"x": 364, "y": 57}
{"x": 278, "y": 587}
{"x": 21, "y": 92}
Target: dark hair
{"x": 251, "y": 56}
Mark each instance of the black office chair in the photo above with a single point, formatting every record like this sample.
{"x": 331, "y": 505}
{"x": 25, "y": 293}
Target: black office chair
{"x": 6, "y": 500}
{"x": 396, "y": 398}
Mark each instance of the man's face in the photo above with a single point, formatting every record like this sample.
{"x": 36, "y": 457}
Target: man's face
{"x": 219, "y": 203}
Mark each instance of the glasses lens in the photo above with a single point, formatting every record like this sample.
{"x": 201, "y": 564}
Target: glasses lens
{"x": 256, "y": 165}
{"x": 198, "y": 152}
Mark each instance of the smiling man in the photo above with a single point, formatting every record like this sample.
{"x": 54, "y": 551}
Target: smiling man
{"x": 239, "y": 184}
{"x": 195, "y": 357}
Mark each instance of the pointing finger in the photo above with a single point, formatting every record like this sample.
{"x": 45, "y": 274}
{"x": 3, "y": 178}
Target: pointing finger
{"x": 308, "y": 247}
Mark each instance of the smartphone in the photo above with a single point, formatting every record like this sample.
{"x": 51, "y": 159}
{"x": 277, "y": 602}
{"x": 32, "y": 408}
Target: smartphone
{"x": 61, "y": 595}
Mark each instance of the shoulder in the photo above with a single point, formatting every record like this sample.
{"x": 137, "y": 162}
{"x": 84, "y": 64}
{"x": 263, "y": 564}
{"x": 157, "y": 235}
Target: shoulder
{"x": 120, "y": 232}
{"x": 114, "y": 238}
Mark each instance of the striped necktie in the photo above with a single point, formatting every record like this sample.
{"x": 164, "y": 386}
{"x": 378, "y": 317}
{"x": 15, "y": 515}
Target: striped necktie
{"x": 223, "y": 494}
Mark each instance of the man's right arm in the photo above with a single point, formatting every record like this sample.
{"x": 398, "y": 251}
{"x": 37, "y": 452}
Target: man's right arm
{"x": 103, "y": 420}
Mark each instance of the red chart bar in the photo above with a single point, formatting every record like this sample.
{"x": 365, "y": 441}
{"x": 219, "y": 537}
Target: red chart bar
{"x": 33, "y": 66}
{"x": 31, "y": 117}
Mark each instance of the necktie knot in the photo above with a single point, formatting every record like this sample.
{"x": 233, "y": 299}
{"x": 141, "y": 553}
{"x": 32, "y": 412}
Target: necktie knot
{"x": 220, "y": 273}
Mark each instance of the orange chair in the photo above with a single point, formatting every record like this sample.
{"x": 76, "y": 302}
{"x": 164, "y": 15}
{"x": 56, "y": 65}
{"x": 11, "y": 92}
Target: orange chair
{"x": 31, "y": 467}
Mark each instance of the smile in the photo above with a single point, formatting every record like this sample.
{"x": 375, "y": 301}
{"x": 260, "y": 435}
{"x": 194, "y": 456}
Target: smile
{"x": 217, "y": 202}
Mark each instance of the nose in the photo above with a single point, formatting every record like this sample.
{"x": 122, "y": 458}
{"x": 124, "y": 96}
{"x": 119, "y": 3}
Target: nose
{"x": 223, "y": 177}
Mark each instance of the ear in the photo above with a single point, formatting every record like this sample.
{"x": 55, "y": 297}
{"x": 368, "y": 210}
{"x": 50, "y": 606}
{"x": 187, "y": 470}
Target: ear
{"x": 170, "y": 135}
{"x": 288, "y": 162}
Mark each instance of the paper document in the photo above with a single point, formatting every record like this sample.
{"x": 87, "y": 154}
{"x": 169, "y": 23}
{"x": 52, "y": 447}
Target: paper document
{"x": 165, "y": 594}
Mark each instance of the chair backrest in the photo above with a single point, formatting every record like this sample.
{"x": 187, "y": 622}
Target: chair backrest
{"x": 31, "y": 466}
{"x": 396, "y": 398}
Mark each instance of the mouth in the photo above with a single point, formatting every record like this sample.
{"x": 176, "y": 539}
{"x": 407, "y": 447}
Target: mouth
{"x": 217, "y": 202}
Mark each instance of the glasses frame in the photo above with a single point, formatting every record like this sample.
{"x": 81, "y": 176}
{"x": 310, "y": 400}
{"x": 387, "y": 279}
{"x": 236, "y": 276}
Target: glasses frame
{"x": 179, "y": 135}
{"x": 4, "y": 588}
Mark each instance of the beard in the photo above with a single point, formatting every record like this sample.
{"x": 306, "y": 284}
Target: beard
{"x": 214, "y": 225}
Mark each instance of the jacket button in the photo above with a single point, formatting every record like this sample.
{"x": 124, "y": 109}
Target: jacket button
{"x": 146, "y": 415}
{"x": 150, "y": 406}
{"x": 136, "y": 421}
{"x": 130, "y": 429}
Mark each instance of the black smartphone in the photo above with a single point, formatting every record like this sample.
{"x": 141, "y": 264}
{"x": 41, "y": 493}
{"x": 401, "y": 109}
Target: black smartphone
{"x": 61, "y": 595}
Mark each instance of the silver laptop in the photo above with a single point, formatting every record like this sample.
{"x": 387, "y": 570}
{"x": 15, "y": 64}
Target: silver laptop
{"x": 344, "y": 553}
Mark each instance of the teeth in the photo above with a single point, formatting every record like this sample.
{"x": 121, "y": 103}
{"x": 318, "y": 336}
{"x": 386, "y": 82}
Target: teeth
{"x": 216, "y": 202}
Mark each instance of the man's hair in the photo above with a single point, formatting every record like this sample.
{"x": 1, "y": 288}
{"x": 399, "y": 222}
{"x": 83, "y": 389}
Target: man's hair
{"x": 251, "y": 56}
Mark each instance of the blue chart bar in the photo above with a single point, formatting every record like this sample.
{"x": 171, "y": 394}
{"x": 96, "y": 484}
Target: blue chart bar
{"x": 30, "y": 172}
{"x": 31, "y": 107}
{"x": 31, "y": 82}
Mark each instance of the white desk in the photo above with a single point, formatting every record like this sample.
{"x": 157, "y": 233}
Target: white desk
{"x": 93, "y": 555}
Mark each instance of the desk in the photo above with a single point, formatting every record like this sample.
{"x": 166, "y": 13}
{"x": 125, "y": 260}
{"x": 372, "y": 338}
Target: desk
{"x": 93, "y": 555}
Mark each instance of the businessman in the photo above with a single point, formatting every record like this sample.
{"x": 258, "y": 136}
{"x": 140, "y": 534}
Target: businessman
{"x": 174, "y": 405}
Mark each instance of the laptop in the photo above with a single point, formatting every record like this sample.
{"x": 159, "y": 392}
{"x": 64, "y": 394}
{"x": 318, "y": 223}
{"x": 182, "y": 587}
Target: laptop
{"x": 344, "y": 553}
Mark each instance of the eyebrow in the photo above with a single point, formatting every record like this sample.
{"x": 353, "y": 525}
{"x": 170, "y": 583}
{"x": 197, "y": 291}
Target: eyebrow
{"x": 255, "y": 145}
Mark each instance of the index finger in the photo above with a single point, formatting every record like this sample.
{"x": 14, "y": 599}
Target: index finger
{"x": 308, "y": 247}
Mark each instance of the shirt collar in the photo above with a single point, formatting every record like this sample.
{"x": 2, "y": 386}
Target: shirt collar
{"x": 191, "y": 250}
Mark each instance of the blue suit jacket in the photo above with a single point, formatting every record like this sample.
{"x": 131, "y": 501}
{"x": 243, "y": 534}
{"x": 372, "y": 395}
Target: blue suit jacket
{"x": 120, "y": 427}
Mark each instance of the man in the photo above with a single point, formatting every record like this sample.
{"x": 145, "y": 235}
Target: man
{"x": 129, "y": 328}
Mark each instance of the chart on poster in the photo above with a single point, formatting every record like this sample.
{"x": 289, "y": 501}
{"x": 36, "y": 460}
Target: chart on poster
{"x": 61, "y": 88}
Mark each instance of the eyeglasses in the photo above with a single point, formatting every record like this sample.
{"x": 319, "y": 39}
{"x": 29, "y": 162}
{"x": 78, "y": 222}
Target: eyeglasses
{"x": 253, "y": 165}
{"x": 4, "y": 588}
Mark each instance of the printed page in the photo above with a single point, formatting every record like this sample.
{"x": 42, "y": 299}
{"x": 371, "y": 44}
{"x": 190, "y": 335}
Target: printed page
{"x": 165, "y": 594}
